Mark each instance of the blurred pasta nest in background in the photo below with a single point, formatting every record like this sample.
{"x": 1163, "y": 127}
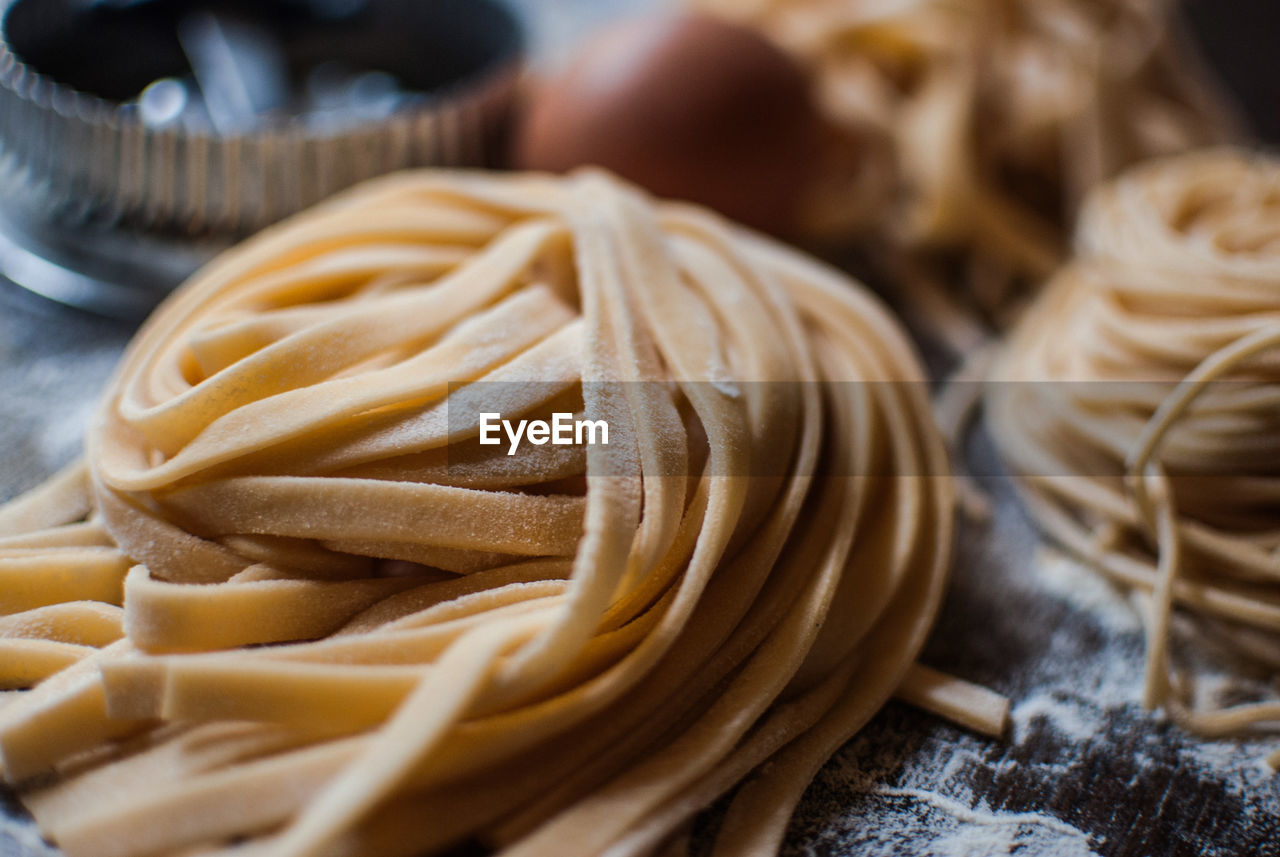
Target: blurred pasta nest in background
{"x": 353, "y": 629}
{"x": 965, "y": 133}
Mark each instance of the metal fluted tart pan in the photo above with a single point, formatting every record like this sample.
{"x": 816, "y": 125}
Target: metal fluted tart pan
{"x": 102, "y": 210}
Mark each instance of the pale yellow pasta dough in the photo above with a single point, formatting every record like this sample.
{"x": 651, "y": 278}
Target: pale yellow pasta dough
{"x": 1139, "y": 403}
{"x": 349, "y": 628}
{"x": 966, "y": 131}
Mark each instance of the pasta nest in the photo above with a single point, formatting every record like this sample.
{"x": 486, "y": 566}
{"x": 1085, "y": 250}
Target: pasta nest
{"x": 965, "y": 132}
{"x": 349, "y": 627}
{"x": 1139, "y": 403}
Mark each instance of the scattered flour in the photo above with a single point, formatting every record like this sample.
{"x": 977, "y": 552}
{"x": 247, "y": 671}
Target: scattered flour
{"x": 1081, "y": 693}
{"x": 1072, "y": 717}
{"x": 63, "y": 438}
{"x": 976, "y": 831}
{"x": 1109, "y": 683}
{"x": 1085, "y": 589}
{"x": 50, "y": 401}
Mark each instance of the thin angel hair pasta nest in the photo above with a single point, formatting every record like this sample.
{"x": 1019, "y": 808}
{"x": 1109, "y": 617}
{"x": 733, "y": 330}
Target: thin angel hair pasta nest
{"x": 965, "y": 132}
{"x": 1139, "y": 404}
{"x": 350, "y": 628}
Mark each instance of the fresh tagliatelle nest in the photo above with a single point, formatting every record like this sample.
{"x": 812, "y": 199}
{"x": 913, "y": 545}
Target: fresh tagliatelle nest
{"x": 350, "y": 627}
{"x": 1139, "y": 404}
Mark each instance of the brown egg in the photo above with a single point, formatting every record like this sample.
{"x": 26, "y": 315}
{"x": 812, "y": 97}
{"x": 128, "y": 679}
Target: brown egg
{"x": 688, "y": 106}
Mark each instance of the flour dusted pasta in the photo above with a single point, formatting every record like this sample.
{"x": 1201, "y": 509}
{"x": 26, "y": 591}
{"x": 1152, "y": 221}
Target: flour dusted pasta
{"x": 1139, "y": 404}
{"x": 349, "y": 627}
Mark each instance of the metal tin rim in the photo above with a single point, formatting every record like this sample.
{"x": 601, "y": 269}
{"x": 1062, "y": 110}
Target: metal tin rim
{"x": 82, "y": 157}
